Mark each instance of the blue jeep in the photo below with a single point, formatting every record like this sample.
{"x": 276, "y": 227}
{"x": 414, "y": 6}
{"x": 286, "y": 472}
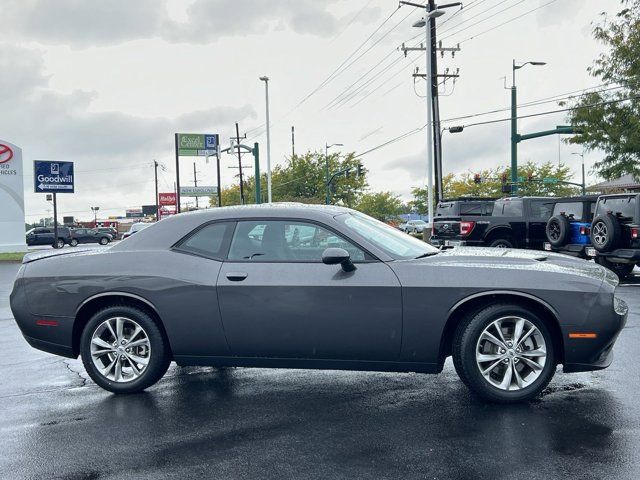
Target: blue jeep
{"x": 569, "y": 227}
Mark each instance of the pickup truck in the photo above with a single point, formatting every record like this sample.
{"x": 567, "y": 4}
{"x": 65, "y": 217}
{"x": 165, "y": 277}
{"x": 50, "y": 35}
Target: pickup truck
{"x": 615, "y": 233}
{"x": 515, "y": 222}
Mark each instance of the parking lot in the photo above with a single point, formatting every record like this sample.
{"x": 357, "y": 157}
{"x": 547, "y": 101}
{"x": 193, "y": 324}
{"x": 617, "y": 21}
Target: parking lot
{"x": 252, "y": 423}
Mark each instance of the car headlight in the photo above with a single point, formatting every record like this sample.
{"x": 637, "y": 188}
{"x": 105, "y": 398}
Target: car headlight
{"x": 620, "y": 306}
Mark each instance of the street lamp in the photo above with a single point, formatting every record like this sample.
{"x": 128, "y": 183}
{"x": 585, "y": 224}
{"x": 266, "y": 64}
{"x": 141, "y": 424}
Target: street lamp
{"x": 423, "y": 23}
{"x": 514, "y": 123}
{"x": 584, "y": 189}
{"x": 326, "y": 170}
{"x": 265, "y": 79}
{"x": 95, "y": 215}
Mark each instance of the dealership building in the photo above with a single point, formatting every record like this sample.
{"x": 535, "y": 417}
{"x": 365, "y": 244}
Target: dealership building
{"x": 12, "y": 238}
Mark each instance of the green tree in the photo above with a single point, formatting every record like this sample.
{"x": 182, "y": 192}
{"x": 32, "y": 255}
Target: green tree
{"x": 302, "y": 179}
{"x": 463, "y": 185}
{"x": 609, "y": 119}
{"x": 381, "y": 205}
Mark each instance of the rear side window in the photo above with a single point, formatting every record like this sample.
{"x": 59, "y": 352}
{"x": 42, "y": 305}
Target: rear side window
{"x": 570, "y": 209}
{"x": 209, "y": 241}
{"x": 541, "y": 209}
{"x": 619, "y": 206}
{"x": 508, "y": 208}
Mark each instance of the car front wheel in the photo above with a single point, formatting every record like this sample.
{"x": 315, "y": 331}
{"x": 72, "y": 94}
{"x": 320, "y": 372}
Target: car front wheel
{"x": 504, "y": 353}
{"x": 104, "y": 241}
{"x": 58, "y": 243}
{"x": 123, "y": 350}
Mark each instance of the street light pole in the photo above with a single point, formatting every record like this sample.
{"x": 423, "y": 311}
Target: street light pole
{"x": 514, "y": 124}
{"x": 155, "y": 165}
{"x": 327, "y": 199}
{"x": 265, "y": 79}
{"x": 584, "y": 186}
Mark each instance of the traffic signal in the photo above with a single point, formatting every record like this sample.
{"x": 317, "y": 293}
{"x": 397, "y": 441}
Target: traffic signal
{"x": 359, "y": 170}
{"x": 506, "y": 188}
{"x": 477, "y": 179}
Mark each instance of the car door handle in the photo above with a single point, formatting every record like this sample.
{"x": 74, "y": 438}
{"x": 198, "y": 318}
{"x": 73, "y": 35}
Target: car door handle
{"x": 237, "y": 276}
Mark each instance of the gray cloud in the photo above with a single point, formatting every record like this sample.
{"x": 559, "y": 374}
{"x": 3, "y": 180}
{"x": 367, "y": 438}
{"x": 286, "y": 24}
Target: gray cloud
{"x": 51, "y": 125}
{"x": 82, "y": 24}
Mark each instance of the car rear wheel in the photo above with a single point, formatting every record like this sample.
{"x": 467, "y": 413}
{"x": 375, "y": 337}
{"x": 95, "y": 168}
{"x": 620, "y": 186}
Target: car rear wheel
{"x": 123, "y": 350}
{"x": 73, "y": 242}
{"x": 605, "y": 232}
{"x": 558, "y": 230}
{"x": 504, "y": 353}
{"x": 622, "y": 270}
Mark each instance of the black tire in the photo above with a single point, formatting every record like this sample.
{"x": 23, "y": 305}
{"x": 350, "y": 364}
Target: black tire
{"x": 504, "y": 242}
{"x": 58, "y": 244}
{"x": 605, "y": 232}
{"x": 103, "y": 241}
{"x": 558, "y": 230}
{"x": 464, "y": 354}
{"x": 159, "y": 358}
{"x": 73, "y": 242}
{"x": 622, "y": 270}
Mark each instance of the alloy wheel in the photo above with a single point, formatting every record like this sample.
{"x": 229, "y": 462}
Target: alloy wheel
{"x": 120, "y": 349}
{"x": 511, "y": 353}
{"x": 554, "y": 231}
{"x": 600, "y": 233}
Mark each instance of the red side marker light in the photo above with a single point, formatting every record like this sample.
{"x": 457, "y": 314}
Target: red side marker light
{"x": 635, "y": 233}
{"x": 47, "y": 323}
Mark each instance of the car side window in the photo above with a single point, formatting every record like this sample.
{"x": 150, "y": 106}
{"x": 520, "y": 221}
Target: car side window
{"x": 209, "y": 241}
{"x": 471, "y": 209}
{"x": 508, "y": 208}
{"x": 541, "y": 209}
{"x": 286, "y": 241}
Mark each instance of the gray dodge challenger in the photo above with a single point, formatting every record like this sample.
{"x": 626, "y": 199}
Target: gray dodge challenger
{"x": 302, "y": 286}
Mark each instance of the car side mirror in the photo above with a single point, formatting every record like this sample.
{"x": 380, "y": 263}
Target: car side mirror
{"x": 334, "y": 256}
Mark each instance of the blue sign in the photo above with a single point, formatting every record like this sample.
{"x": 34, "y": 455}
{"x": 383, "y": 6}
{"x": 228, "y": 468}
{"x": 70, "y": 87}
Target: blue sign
{"x": 53, "y": 177}
{"x": 211, "y": 142}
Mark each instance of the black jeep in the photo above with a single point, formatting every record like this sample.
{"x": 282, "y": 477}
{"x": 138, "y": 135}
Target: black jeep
{"x": 615, "y": 233}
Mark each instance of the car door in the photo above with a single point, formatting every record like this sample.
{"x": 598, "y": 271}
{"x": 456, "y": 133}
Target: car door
{"x": 44, "y": 236}
{"x": 277, "y": 299}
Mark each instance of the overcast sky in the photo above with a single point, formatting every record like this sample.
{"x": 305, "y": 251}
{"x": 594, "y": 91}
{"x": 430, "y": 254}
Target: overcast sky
{"x": 106, "y": 84}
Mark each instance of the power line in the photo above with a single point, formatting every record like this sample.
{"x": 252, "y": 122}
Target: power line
{"x": 506, "y": 22}
{"x": 489, "y": 17}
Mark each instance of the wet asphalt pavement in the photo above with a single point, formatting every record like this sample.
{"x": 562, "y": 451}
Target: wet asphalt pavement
{"x": 252, "y": 423}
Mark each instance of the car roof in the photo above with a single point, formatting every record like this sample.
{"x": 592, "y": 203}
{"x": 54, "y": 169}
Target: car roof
{"x": 579, "y": 198}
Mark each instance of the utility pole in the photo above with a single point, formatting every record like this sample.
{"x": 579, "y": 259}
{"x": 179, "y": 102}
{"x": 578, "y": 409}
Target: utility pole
{"x": 293, "y": 142}
{"x": 327, "y": 199}
{"x": 584, "y": 186}
{"x": 195, "y": 181}
{"x": 240, "y": 164}
{"x": 433, "y": 79}
{"x": 155, "y": 166}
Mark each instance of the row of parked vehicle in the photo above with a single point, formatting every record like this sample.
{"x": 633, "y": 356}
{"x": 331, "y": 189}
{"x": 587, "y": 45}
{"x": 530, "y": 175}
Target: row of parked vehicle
{"x": 75, "y": 236}
{"x": 605, "y": 228}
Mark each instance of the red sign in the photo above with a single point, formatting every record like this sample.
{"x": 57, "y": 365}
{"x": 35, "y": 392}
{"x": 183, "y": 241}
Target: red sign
{"x": 165, "y": 212}
{"x": 165, "y": 199}
{"x": 6, "y": 153}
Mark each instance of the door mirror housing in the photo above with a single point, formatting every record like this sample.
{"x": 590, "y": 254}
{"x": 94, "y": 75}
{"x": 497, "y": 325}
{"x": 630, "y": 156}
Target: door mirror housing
{"x": 334, "y": 256}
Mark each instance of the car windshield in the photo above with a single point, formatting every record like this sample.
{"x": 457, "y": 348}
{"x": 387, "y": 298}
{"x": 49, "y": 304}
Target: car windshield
{"x": 390, "y": 240}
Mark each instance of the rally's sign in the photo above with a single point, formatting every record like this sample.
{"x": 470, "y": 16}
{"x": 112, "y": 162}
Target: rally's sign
{"x": 165, "y": 199}
{"x": 196, "y": 144}
{"x": 53, "y": 177}
{"x": 208, "y": 191}
{"x": 12, "y": 238}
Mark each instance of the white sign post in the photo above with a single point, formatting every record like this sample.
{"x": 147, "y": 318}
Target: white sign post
{"x": 12, "y": 223}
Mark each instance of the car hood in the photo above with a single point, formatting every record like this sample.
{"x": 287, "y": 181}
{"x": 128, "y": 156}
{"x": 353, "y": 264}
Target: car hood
{"x": 529, "y": 260}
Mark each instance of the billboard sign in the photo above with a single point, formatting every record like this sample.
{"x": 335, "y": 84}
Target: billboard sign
{"x": 134, "y": 213}
{"x": 196, "y": 144}
{"x": 12, "y": 238}
{"x": 204, "y": 191}
{"x": 53, "y": 177}
{"x": 166, "y": 199}
{"x": 165, "y": 212}
{"x": 149, "y": 210}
